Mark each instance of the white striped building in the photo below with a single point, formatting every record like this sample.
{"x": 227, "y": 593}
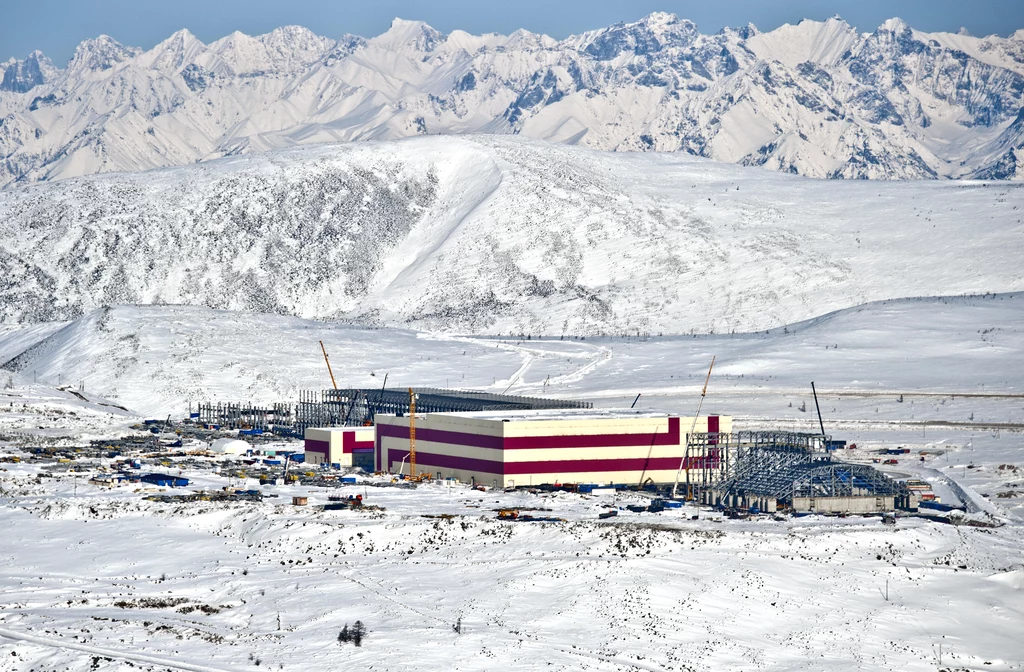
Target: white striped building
{"x": 518, "y": 448}
{"x": 339, "y": 445}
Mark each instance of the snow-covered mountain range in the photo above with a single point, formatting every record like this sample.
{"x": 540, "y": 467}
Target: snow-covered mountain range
{"x": 817, "y": 98}
{"x": 498, "y": 234}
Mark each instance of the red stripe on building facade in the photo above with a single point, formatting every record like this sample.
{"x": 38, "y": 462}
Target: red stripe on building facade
{"x": 429, "y": 461}
{"x": 314, "y": 446}
{"x": 669, "y": 438}
{"x": 350, "y": 445}
{"x": 441, "y": 436}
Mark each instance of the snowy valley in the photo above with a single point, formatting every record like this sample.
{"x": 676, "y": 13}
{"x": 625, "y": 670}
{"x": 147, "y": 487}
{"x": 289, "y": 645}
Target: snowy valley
{"x": 182, "y": 225}
{"x": 90, "y": 583}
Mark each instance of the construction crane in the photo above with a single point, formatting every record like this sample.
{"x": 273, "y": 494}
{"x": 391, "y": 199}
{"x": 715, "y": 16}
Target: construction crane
{"x": 412, "y": 434}
{"x": 682, "y": 462}
{"x": 328, "y": 365}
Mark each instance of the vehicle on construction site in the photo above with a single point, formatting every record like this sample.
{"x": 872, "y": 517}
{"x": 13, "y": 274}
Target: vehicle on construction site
{"x": 351, "y": 502}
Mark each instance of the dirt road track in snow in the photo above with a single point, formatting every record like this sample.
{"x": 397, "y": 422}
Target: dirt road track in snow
{"x": 591, "y": 356}
{"x": 109, "y": 653}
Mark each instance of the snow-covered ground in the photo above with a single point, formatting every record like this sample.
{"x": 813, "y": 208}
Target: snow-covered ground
{"x": 269, "y": 586}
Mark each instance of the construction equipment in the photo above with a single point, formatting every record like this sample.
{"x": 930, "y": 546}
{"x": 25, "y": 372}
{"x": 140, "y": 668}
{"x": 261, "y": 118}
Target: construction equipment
{"x": 820, "y": 423}
{"x": 412, "y": 434}
{"x": 682, "y": 460}
{"x": 328, "y": 365}
{"x": 413, "y": 476}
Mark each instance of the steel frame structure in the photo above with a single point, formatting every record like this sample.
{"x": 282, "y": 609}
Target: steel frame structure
{"x": 777, "y": 465}
{"x": 357, "y": 407}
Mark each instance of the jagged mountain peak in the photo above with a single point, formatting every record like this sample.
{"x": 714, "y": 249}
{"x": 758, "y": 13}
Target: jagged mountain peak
{"x": 174, "y": 53}
{"x": 893, "y": 25}
{"x": 408, "y": 35}
{"x": 182, "y": 35}
{"x": 820, "y": 42}
{"x": 649, "y": 35}
{"x": 101, "y": 53}
{"x": 281, "y": 51}
{"x": 524, "y": 39}
{"x": 741, "y": 32}
{"x": 342, "y": 48}
{"x": 815, "y": 98}
{"x": 22, "y": 76}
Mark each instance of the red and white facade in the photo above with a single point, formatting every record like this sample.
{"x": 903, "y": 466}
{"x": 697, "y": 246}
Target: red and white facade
{"x": 337, "y": 445}
{"x": 536, "y": 447}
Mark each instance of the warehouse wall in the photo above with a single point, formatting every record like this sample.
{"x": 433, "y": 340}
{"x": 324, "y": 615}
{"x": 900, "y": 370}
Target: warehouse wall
{"x": 337, "y": 445}
{"x": 870, "y": 504}
{"x": 617, "y": 449}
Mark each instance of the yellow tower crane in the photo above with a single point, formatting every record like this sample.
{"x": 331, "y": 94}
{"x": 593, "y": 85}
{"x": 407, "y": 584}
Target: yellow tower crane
{"x": 412, "y": 434}
{"x": 328, "y": 365}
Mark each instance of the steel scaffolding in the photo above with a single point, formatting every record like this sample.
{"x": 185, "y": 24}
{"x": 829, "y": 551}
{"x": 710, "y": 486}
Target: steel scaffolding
{"x": 357, "y": 407}
{"x": 750, "y": 467}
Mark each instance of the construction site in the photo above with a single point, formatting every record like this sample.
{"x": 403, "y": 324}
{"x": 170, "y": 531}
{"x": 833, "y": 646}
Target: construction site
{"x": 509, "y": 442}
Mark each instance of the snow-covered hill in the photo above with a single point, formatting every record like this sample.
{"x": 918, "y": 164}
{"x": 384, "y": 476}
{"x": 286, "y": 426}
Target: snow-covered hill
{"x": 157, "y": 359}
{"x": 816, "y": 98}
{"x": 500, "y": 235}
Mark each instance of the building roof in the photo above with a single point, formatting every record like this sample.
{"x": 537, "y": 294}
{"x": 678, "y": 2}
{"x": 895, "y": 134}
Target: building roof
{"x": 552, "y": 414}
{"x": 821, "y": 477}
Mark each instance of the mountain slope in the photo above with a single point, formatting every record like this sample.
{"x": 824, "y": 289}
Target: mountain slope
{"x": 500, "y": 235}
{"x": 817, "y": 99}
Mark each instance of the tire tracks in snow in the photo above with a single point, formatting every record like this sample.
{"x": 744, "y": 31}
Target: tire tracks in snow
{"x": 109, "y": 653}
{"x": 596, "y": 355}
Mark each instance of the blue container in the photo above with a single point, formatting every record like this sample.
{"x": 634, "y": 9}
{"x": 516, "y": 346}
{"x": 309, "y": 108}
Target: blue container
{"x": 273, "y": 463}
{"x": 938, "y": 506}
{"x": 193, "y": 416}
{"x": 348, "y": 479}
{"x": 336, "y": 465}
{"x": 671, "y": 504}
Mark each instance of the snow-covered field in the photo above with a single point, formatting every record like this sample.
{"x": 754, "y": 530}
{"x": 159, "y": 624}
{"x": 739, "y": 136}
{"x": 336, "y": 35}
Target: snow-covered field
{"x": 650, "y": 592}
{"x": 269, "y": 586}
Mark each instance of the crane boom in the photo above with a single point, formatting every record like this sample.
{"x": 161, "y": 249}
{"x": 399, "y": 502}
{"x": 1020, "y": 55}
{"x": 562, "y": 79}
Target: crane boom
{"x": 682, "y": 461}
{"x": 328, "y": 365}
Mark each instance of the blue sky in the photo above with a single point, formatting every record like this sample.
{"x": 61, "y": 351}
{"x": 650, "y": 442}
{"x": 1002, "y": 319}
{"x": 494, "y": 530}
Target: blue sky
{"x": 57, "y": 26}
